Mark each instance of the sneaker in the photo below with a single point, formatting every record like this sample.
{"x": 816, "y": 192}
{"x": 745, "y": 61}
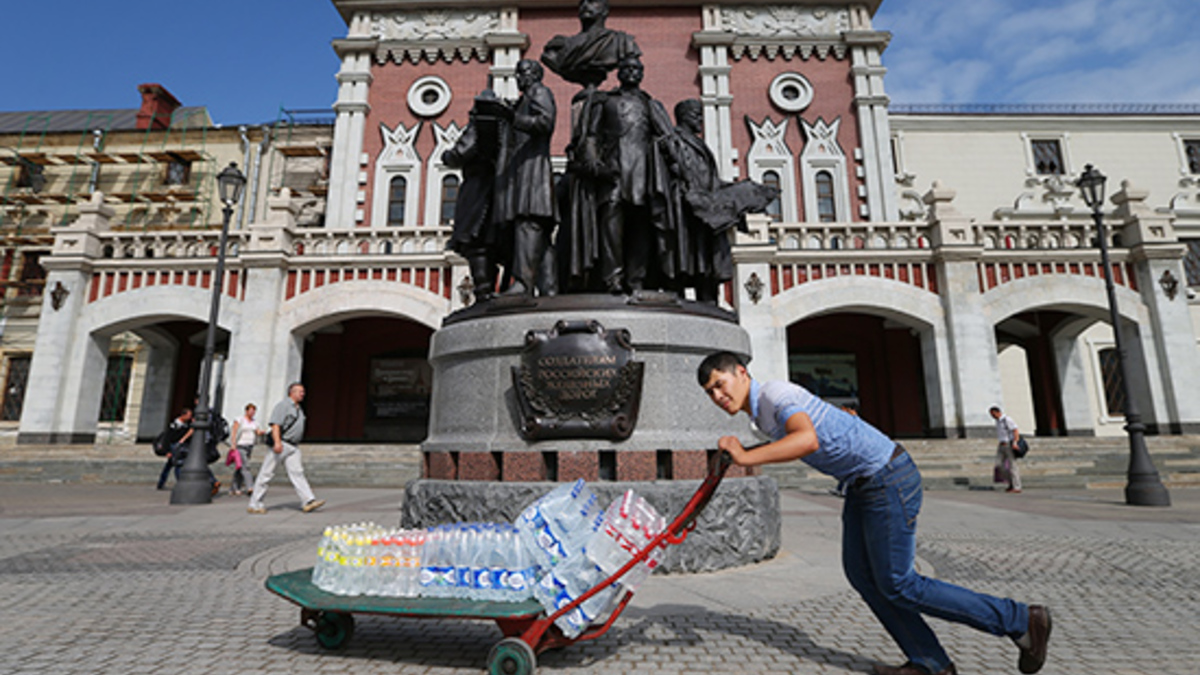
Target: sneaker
{"x": 313, "y": 505}
{"x": 256, "y": 510}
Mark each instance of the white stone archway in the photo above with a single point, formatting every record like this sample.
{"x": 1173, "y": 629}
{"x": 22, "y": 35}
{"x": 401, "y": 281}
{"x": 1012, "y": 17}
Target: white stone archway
{"x": 1086, "y": 299}
{"x": 903, "y": 303}
{"x": 280, "y": 360}
{"x": 68, "y": 368}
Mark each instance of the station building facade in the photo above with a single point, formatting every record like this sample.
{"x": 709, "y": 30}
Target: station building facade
{"x": 922, "y": 263}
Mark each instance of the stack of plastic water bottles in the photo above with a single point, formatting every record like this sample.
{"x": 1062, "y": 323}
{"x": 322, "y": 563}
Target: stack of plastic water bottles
{"x": 561, "y": 547}
{"x": 578, "y": 546}
{"x": 366, "y": 559}
{"x": 476, "y": 561}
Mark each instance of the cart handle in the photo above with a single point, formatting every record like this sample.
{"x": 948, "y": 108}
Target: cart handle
{"x": 675, "y": 533}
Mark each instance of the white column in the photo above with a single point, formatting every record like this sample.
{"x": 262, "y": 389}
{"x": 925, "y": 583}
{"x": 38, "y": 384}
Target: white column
{"x": 874, "y": 129}
{"x": 973, "y": 376}
{"x": 506, "y": 44}
{"x": 1172, "y": 359}
{"x": 713, "y": 44}
{"x": 754, "y": 303}
{"x": 1072, "y": 364}
{"x": 354, "y": 83}
{"x": 66, "y": 374}
{"x": 255, "y": 372}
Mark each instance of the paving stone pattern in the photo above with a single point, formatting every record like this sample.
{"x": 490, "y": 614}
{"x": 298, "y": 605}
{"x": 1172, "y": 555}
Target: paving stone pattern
{"x": 159, "y": 594}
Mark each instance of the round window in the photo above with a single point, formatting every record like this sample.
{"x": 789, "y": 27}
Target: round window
{"x": 791, "y": 92}
{"x": 429, "y": 96}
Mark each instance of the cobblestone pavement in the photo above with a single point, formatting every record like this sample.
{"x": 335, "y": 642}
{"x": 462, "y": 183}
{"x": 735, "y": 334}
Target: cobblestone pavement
{"x": 109, "y": 579}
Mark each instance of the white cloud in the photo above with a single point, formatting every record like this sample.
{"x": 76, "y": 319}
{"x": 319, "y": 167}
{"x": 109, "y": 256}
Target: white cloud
{"x": 1030, "y": 51}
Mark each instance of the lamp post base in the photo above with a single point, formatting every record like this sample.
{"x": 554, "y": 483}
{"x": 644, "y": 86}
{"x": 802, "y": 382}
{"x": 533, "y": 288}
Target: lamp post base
{"x": 1146, "y": 491}
{"x": 192, "y": 490}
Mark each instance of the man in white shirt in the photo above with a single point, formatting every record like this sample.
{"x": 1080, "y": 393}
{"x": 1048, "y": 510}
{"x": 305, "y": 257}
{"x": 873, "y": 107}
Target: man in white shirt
{"x": 1007, "y": 435}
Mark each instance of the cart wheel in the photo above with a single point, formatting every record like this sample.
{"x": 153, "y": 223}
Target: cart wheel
{"x": 512, "y": 656}
{"x": 334, "y": 629}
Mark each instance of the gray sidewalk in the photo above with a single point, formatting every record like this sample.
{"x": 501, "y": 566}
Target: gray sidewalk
{"x": 111, "y": 579}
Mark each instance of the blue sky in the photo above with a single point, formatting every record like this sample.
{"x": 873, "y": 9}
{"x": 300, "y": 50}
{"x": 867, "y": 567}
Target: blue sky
{"x": 245, "y": 59}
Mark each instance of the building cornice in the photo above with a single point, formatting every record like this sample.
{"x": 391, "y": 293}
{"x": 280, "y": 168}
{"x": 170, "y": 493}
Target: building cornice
{"x": 348, "y": 8}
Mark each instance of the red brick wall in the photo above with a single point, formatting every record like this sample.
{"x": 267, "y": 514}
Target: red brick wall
{"x": 389, "y": 105}
{"x": 833, "y": 97}
{"x": 663, "y": 34}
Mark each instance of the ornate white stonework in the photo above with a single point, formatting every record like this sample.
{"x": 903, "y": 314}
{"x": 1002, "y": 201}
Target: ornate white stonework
{"x": 785, "y": 21}
{"x": 770, "y": 152}
{"x": 432, "y": 35}
{"x": 785, "y": 31}
{"x": 445, "y": 137}
{"x": 445, "y": 24}
{"x": 823, "y": 154}
{"x": 398, "y": 158}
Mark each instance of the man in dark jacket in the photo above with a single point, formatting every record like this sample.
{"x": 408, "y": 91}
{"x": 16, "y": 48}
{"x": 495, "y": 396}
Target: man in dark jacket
{"x": 176, "y": 437}
{"x": 476, "y": 235}
{"x": 527, "y": 196}
{"x": 627, "y": 125}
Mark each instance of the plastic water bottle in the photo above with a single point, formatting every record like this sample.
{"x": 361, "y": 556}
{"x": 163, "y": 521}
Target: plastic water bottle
{"x": 568, "y": 581}
{"x": 437, "y": 570}
{"x": 479, "y": 579}
{"x": 417, "y": 547}
{"x": 464, "y": 553}
{"x": 321, "y": 569}
{"x": 496, "y": 562}
{"x": 628, "y": 526}
{"x": 521, "y": 569}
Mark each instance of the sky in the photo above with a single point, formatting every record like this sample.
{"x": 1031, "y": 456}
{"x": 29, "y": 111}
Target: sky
{"x": 246, "y": 59}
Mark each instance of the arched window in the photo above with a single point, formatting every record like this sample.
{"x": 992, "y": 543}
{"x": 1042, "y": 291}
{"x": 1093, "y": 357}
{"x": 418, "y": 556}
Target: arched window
{"x": 775, "y": 208}
{"x": 826, "y": 209}
{"x": 449, "y": 198}
{"x": 397, "y": 196}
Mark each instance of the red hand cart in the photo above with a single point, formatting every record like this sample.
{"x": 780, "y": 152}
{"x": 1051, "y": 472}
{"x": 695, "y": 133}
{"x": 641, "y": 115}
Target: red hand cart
{"x": 528, "y": 630}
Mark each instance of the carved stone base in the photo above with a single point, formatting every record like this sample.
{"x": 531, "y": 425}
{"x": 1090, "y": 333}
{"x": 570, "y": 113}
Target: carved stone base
{"x": 740, "y": 525}
{"x": 474, "y": 402}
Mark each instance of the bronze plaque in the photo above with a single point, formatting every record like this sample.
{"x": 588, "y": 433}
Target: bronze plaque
{"x": 578, "y": 380}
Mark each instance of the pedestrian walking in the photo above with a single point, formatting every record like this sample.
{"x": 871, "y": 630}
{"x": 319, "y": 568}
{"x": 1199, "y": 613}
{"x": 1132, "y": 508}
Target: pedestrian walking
{"x": 178, "y": 432}
{"x": 883, "y": 494}
{"x": 245, "y": 435}
{"x": 1007, "y": 436}
{"x": 286, "y": 426}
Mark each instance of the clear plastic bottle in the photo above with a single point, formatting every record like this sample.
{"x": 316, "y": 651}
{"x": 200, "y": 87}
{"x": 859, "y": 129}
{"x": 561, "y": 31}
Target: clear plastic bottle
{"x": 521, "y": 569}
{"x": 321, "y": 569}
{"x": 437, "y": 570}
{"x": 464, "y": 552}
{"x": 629, "y": 525}
{"x": 412, "y": 562}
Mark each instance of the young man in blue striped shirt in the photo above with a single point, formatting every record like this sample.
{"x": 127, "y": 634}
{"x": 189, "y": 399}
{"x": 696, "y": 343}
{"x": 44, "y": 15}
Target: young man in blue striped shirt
{"x": 883, "y": 497}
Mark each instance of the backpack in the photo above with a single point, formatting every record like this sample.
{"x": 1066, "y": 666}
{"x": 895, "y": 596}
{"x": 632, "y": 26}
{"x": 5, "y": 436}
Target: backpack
{"x": 160, "y": 444}
{"x": 218, "y": 433}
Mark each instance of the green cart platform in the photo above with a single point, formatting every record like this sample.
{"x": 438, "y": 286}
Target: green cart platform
{"x": 528, "y": 630}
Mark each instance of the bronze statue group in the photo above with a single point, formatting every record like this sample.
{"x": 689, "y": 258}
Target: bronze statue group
{"x": 641, "y": 207}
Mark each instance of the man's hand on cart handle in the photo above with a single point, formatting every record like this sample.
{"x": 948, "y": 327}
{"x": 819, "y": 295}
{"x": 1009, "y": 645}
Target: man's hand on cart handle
{"x": 737, "y": 452}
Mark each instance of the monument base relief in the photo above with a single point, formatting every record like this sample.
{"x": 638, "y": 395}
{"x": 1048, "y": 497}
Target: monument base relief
{"x": 532, "y": 391}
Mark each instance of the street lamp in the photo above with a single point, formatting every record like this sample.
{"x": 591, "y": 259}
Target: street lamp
{"x": 1143, "y": 487}
{"x": 193, "y": 486}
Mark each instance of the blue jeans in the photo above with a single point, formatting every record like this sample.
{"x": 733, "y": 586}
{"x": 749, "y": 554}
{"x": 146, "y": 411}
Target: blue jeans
{"x": 879, "y": 522}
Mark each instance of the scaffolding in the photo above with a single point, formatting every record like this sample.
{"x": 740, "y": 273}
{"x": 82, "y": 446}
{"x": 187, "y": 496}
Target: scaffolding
{"x": 304, "y": 158}
{"x": 170, "y": 171}
{"x": 176, "y": 175}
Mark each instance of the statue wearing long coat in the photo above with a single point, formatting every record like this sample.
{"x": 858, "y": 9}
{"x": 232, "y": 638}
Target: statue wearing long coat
{"x": 528, "y": 193}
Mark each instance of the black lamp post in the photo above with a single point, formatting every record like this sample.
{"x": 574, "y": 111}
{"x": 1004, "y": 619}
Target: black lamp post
{"x": 1143, "y": 487}
{"x": 193, "y": 486}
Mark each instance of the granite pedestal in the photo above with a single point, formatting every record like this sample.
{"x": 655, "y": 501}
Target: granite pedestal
{"x": 479, "y": 467}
